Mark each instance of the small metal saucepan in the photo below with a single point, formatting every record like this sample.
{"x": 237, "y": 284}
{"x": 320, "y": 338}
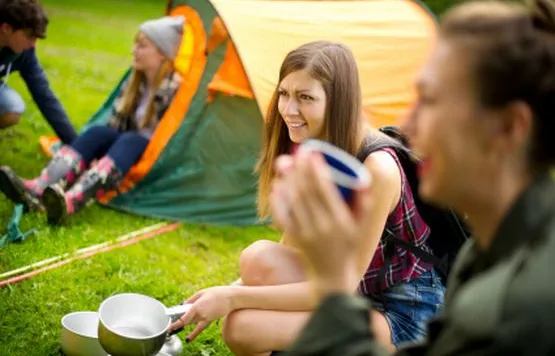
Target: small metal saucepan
{"x": 135, "y": 325}
{"x": 79, "y": 334}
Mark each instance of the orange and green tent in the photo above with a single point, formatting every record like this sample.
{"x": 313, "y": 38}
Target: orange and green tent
{"x": 199, "y": 165}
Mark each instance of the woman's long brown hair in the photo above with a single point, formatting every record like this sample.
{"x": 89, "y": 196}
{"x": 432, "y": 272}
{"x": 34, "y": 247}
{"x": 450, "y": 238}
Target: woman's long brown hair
{"x": 334, "y": 65}
{"x": 130, "y": 95}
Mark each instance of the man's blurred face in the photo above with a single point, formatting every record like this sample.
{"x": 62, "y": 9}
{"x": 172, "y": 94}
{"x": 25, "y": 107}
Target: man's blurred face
{"x": 18, "y": 40}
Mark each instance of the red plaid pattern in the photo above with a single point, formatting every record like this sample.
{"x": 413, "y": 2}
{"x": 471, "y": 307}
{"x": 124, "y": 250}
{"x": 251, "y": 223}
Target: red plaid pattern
{"x": 405, "y": 223}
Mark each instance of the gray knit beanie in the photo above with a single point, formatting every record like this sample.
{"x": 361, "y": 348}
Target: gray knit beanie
{"x": 165, "y": 33}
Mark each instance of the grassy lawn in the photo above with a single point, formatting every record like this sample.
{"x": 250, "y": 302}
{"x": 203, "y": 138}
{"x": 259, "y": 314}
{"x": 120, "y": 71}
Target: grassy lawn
{"x": 87, "y": 49}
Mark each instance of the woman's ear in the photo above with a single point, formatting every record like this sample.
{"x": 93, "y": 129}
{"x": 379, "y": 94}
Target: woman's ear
{"x": 514, "y": 126}
{"x": 506, "y": 129}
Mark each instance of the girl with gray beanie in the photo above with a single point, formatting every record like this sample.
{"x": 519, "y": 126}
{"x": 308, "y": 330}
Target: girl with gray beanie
{"x": 68, "y": 183}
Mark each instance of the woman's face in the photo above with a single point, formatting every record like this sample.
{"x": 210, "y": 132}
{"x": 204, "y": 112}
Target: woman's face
{"x": 146, "y": 56}
{"x": 449, "y": 131}
{"x": 302, "y": 105}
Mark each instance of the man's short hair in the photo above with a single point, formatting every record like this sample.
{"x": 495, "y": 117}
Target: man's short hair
{"x": 24, "y": 15}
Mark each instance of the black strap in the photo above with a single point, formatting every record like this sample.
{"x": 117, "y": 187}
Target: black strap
{"x": 388, "y": 253}
{"x": 390, "y": 241}
{"x": 442, "y": 264}
{"x": 379, "y": 144}
{"x": 389, "y": 250}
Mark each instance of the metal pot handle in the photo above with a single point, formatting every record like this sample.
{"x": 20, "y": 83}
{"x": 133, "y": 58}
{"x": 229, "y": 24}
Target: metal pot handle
{"x": 175, "y": 313}
{"x": 178, "y": 311}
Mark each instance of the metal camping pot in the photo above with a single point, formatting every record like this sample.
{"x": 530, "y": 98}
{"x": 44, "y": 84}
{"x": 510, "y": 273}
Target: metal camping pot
{"x": 79, "y": 334}
{"x": 136, "y": 325}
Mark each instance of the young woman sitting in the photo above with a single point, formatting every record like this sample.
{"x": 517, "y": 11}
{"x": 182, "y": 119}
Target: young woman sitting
{"x": 69, "y": 182}
{"x": 319, "y": 96}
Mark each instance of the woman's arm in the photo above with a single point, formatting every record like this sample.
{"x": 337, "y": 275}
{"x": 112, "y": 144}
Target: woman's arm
{"x": 385, "y": 191}
{"x": 285, "y": 297}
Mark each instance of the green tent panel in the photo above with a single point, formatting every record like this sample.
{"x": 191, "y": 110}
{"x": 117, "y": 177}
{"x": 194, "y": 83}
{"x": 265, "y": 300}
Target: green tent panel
{"x": 205, "y": 173}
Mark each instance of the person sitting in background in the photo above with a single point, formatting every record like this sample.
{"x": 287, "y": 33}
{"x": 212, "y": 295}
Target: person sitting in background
{"x": 483, "y": 126}
{"x": 68, "y": 183}
{"x": 21, "y": 23}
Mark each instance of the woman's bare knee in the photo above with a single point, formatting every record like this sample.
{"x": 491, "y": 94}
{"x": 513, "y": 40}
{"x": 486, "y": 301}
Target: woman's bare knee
{"x": 234, "y": 332}
{"x": 258, "y": 332}
{"x": 9, "y": 119}
{"x": 268, "y": 263}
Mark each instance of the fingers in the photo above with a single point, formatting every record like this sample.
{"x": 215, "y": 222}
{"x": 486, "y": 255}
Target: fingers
{"x": 278, "y": 207}
{"x": 308, "y": 204}
{"x": 190, "y": 318}
{"x": 362, "y": 203}
{"x": 187, "y": 318}
{"x": 279, "y": 201}
{"x": 319, "y": 199}
{"x": 305, "y": 200}
{"x": 283, "y": 165}
{"x": 193, "y": 298}
{"x": 280, "y": 196}
{"x": 176, "y": 325}
{"x": 323, "y": 186}
{"x": 198, "y": 329}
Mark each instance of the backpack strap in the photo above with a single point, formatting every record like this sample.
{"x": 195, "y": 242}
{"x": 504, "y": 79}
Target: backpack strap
{"x": 379, "y": 143}
{"x": 441, "y": 264}
{"x": 396, "y": 142}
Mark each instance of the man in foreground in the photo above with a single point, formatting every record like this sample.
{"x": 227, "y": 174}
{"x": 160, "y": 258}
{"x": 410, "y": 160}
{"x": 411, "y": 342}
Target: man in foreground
{"x": 482, "y": 126}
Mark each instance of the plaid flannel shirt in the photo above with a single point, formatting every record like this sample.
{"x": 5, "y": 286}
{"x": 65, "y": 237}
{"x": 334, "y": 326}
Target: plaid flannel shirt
{"x": 405, "y": 222}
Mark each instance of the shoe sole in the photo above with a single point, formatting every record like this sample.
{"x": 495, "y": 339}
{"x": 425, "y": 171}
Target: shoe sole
{"x": 53, "y": 200}
{"x": 16, "y": 192}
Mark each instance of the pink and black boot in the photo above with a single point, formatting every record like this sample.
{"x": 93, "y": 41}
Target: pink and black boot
{"x": 64, "y": 169}
{"x": 93, "y": 184}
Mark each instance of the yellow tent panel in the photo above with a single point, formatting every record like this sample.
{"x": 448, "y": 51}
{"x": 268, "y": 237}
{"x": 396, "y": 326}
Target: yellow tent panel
{"x": 390, "y": 39}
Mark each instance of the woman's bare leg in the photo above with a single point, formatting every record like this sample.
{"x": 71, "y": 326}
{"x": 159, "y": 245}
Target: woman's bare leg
{"x": 266, "y": 263}
{"x": 276, "y": 330}
{"x": 250, "y": 332}
{"x": 381, "y": 330}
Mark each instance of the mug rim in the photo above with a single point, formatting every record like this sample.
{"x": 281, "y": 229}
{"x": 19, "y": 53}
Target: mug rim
{"x": 72, "y": 330}
{"x": 341, "y": 178}
{"x": 122, "y": 295}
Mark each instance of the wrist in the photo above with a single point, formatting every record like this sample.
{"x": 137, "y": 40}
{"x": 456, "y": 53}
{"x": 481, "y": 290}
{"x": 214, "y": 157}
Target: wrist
{"x": 234, "y": 297}
{"x": 338, "y": 283}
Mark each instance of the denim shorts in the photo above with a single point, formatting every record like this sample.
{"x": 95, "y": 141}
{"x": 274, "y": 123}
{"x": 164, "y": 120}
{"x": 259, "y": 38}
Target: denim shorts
{"x": 409, "y": 306}
{"x": 10, "y": 100}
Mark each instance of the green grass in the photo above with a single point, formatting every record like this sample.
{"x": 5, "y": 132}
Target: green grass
{"x": 87, "y": 49}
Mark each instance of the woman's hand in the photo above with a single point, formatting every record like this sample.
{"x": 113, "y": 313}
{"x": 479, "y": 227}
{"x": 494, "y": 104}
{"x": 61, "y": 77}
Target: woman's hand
{"x": 207, "y": 305}
{"x": 308, "y": 205}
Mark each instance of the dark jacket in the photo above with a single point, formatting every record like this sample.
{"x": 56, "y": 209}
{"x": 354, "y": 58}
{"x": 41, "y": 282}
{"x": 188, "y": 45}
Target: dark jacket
{"x": 498, "y": 302}
{"x": 27, "y": 64}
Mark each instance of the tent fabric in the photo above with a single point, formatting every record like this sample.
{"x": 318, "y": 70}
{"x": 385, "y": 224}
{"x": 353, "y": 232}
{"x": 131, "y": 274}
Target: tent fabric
{"x": 389, "y": 38}
{"x": 199, "y": 164}
{"x": 190, "y": 62}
